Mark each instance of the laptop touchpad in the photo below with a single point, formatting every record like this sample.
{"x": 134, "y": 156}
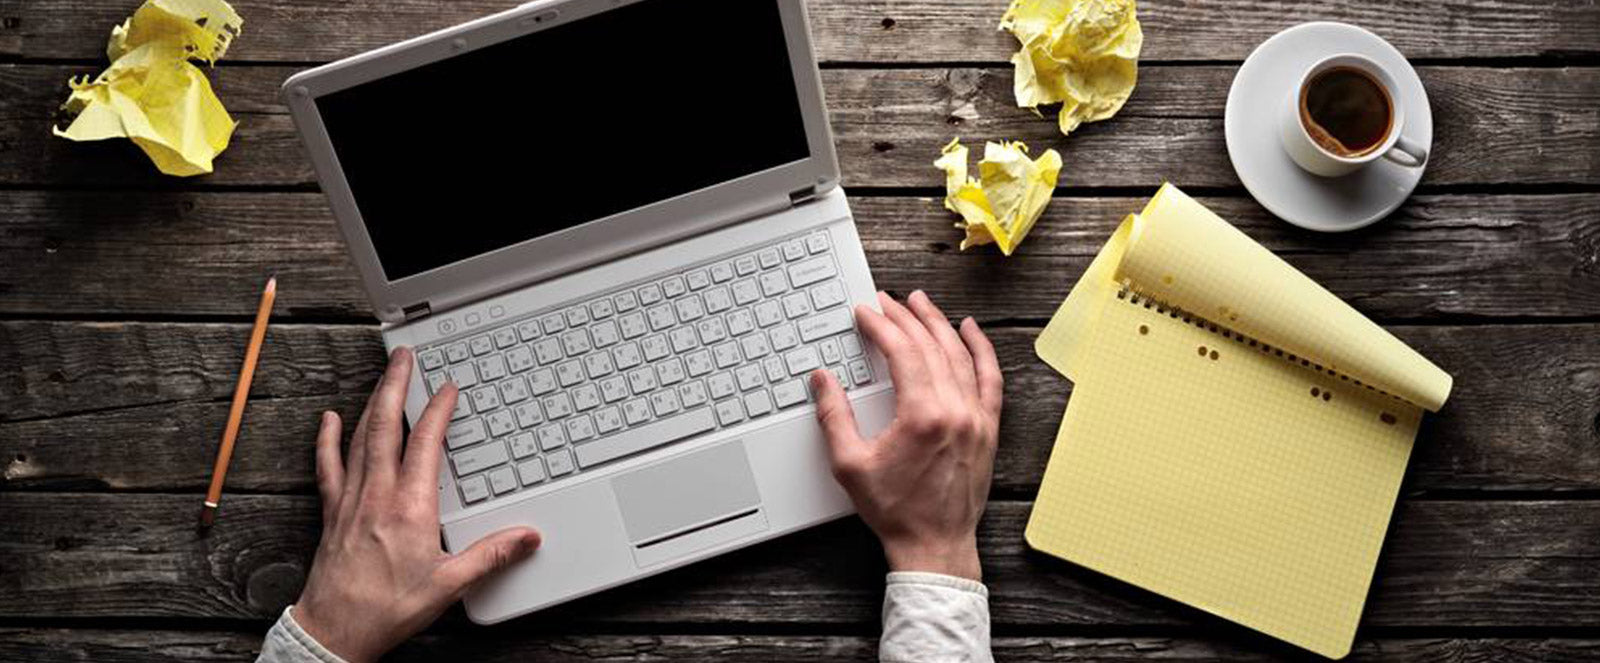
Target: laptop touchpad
{"x": 690, "y": 502}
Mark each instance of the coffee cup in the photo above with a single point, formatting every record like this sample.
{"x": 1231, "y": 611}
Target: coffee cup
{"x": 1344, "y": 114}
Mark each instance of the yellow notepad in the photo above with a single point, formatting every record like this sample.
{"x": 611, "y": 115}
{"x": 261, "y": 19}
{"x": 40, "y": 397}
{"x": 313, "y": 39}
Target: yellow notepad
{"x": 1236, "y": 434}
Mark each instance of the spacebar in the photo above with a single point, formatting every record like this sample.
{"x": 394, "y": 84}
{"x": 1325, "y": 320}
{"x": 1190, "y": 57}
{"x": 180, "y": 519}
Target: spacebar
{"x": 639, "y": 438}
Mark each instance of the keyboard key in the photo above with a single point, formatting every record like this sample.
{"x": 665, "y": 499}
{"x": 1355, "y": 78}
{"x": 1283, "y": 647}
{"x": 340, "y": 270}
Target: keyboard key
{"x": 605, "y": 334}
{"x": 519, "y": 359}
{"x": 745, "y": 265}
{"x": 757, "y": 403}
{"x": 842, "y": 375}
{"x": 625, "y": 302}
{"x": 502, "y": 480}
{"x": 721, "y": 385}
{"x": 689, "y": 308}
{"x": 683, "y": 339}
{"x": 642, "y": 380}
{"x": 552, "y": 323}
{"x": 803, "y": 360}
{"x": 784, "y": 337}
{"x": 485, "y": 398}
{"x": 492, "y": 367}
{"x": 463, "y": 407}
{"x": 601, "y": 309}
{"x": 698, "y": 363}
{"x": 481, "y": 345}
{"x": 793, "y": 250}
{"x": 773, "y": 283}
{"x": 730, "y": 412}
{"x": 527, "y": 414}
{"x": 827, "y": 294}
{"x": 560, "y": 463}
{"x": 831, "y": 354}
{"x": 464, "y": 375}
{"x": 721, "y": 272}
{"x": 746, "y": 292}
{"x": 673, "y": 286}
{"x": 665, "y": 402}
{"x": 817, "y": 242}
{"x": 670, "y": 371}
{"x": 528, "y": 330}
{"x": 465, "y": 433}
{"x": 481, "y": 457}
{"x": 711, "y": 330}
{"x": 755, "y": 346}
{"x": 551, "y": 436}
{"x": 697, "y": 279}
{"x": 655, "y": 347}
{"x": 577, "y": 315}
{"x": 802, "y": 274}
{"x": 598, "y": 365}
{"x": 741, "y": 322}
{"x": 726, "y": 354}
{"x": 627, "y": 356}
{"x": 775, "y": 368}
{"x": 569, "y": 373}
{"x": 789, "y": 393}
{"x": 608, "y": 420}
{"x": 586, "y": 397}
{"x": 635, "y": 440}
{"x": 661, "y": 317}
{"x": 796, "y": 304}
{"x": 436, "y": 381}
{"x": 542, "y": 381}
{"x": 501, "y": 423}
{"x": 614, "y": 389}
{"x": 504, "y": 337}
{"x": 768, "y": 313}
{"x": 474, "y": 489}
{"x": 851, "y": 344}
{"x": 768, "y": 258}
{"x": 859, "y": 372}
{"x": 718, "y": 300}
{"x": 825, "y": 324}
{"x": 457, "y": 352}
{"x": 649, "y": 294}
{"x": 557, "y": 405}
{"x": 633, "y": 325}
{"x": 523, "y": 445}
{"x": 636, "y": 411}
{"x": 749, "y": 376}
{"x": 531, "y": 472}
{"x": 576, "y": 342}
{"x": 431, "y": 360}
{"x": 548, "y": 350}
{"x": 580, "y": 428}
{"x": 693, "y": 393}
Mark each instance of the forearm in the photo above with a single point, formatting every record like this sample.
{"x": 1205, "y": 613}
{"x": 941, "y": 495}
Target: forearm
{"x": 288, "y": 643}
{"x": 934, "y": 618}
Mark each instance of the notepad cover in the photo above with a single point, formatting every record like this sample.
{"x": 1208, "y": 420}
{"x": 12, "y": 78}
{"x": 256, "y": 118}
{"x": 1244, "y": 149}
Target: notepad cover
{"x": 1235, "y": 461}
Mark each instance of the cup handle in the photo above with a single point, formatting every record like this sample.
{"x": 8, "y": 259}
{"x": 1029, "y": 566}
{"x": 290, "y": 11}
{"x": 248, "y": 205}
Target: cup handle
{"x": 1407, "y": 153}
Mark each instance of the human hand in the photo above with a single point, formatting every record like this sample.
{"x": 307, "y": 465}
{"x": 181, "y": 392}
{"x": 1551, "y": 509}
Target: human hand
{"x": 921, "y": 484}
{"x": 380, "y": 574}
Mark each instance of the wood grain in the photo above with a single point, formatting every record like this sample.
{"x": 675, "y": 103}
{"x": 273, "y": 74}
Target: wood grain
{"x": 883, "y": 31}
{"x": 1455, "y": 564}
{"x": 1513, "y": 125}
{"x": 137, "y": 406}
{"x": 205, "y": 253}
{"x": 52, "y": 645}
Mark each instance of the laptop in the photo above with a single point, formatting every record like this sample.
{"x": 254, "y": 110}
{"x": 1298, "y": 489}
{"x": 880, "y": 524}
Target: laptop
{"x": 617, "y": 226}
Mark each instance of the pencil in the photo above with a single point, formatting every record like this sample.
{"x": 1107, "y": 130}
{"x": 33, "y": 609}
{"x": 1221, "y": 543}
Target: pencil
{"x": 241, "y": 393}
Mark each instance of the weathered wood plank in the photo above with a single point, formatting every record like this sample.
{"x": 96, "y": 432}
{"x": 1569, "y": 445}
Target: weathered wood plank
{"x": 1456, "y": 564}
{"x": 1492, "y": 126}
{"x": 137, "y": 406}
{"x": 208, "y": 253}
{"x": 499, "y": 645}
{"x": 875, "y": 31}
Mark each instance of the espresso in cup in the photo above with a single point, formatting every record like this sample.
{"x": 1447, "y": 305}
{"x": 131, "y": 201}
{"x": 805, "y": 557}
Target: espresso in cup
{"x": 1346, "y": 111}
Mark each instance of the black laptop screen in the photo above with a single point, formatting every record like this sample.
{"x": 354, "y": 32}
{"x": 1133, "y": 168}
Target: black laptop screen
{"x": 566, "y": 125}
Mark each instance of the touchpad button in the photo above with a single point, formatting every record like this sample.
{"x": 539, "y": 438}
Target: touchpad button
{"x": 691, "y": 492}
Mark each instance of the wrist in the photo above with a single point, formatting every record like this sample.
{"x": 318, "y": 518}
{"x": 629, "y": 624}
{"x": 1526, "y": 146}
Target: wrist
{"x": 328, "y": 634}
{"x": 959, "y": 559}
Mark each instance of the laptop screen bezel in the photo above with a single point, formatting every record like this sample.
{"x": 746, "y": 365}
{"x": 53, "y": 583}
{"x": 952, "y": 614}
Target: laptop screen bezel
{"x": 563, "y": 251}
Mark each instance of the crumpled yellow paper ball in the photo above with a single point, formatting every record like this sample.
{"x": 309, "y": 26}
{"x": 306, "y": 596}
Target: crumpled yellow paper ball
{"x": 1082, "y": 54}
{"x": 1010, "y": 193}
{"x": 152, "y": 93}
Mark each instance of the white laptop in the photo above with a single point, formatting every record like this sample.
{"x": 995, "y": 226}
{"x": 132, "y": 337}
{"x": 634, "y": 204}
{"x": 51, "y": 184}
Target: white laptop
{"x": 617, "y": 226}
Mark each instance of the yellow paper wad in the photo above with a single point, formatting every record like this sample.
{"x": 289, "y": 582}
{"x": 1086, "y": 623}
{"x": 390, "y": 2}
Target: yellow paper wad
{"x": 1082, "y": 54}
{"x": 152, "y": 93}
{"x": 1001, "y": 205}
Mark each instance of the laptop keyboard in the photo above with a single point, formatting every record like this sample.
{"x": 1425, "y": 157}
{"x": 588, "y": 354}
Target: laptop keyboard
{"x": 549, "y": 396}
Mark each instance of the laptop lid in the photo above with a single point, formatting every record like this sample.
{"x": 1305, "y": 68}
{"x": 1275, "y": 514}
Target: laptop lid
{"x": 560, "y": 134}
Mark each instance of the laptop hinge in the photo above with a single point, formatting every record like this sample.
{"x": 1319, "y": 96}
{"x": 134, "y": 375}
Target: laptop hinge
{"x": 802, "y": 196}
{"x": 416, "y": 311}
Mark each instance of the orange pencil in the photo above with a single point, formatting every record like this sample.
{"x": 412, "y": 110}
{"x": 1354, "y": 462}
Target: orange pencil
{"x": 241, "y": 393}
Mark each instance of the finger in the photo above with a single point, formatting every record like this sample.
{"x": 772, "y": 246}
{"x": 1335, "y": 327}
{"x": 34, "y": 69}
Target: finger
{"x": 905, "y": 362}
{"x": 991, "y": 384}
{"x": 420, "y": 472}
{"x": 938, "y": 367}
{"x": 330, "y": 468}
{"x": 838, "y": 420}
{"x": 355, "y": 466}
{"x": 944, "y": 334}
{"x": 384, "y": 427}
{"x": 490, "y": 554}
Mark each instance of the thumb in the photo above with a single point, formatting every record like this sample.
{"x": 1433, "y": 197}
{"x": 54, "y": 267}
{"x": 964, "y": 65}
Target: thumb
{"x": 490, "y": 554}
{"x": 838, "y": 421}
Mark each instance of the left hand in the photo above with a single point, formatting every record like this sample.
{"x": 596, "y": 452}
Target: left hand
{"x": 380, "y": 574}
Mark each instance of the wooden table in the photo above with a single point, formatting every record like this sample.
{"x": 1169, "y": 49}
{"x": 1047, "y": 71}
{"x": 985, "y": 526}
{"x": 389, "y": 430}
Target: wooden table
{"x": 125, "y": 300}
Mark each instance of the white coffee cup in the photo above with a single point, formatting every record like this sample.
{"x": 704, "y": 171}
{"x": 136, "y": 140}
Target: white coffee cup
{"x": 1319, "y": 160}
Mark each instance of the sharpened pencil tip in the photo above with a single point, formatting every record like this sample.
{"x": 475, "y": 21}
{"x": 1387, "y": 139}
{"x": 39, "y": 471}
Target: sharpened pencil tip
{"x": 272, "y": 283}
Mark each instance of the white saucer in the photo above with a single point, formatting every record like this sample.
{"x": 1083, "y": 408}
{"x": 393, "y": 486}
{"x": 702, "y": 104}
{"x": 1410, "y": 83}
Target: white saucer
{"x": 1252, "y": 116}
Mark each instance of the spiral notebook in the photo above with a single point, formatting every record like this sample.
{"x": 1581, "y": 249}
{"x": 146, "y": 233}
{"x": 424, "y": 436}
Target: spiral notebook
{"x": 1236, "y": 434}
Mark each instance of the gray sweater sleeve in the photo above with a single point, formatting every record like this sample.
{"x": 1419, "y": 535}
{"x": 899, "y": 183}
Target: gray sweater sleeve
{"x": 288, "y": 643}
{"x": 934, "y": 618}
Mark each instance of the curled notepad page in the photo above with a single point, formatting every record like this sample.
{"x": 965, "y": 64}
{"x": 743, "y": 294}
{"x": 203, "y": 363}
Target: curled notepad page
{"x": 1236, "y": 435}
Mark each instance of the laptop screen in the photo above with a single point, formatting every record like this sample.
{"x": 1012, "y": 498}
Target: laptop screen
{"x": 566, "y": 125}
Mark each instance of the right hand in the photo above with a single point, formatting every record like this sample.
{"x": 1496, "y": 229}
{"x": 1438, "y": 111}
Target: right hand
{"x": 922, "y": 484}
